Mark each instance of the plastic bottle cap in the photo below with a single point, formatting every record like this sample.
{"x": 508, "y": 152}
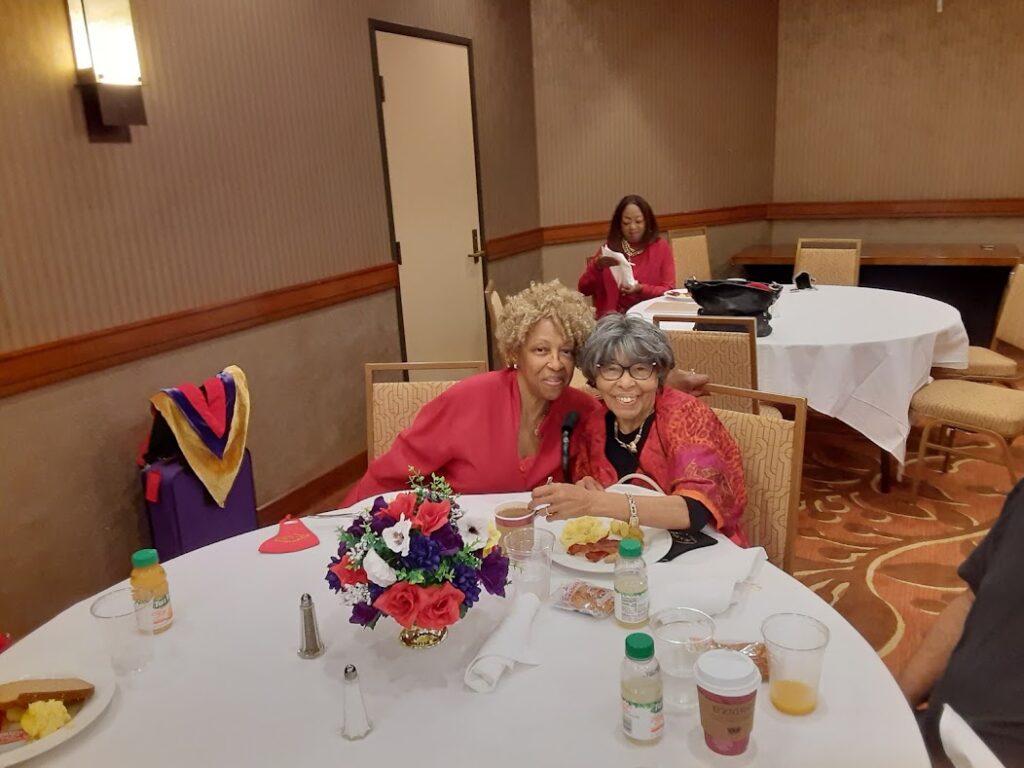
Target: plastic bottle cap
{"x": 630, "y": 548}
{"x": 639, "y": 646}
{"x": 727, "y": 673}
{"x": 144, "y": 558}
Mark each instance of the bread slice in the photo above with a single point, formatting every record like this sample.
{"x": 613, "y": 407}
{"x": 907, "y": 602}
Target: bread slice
{"x": 21, "y": 693}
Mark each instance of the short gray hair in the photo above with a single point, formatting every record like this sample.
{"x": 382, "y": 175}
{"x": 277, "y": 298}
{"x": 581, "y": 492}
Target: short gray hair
{"x": 625, "y": 339}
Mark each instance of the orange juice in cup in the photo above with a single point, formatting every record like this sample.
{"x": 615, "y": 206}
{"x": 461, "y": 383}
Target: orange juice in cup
{"x": 511, "y": 516}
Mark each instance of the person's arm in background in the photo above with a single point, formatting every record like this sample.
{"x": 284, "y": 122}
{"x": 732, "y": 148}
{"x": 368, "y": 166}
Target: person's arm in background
{"x": 591, "y": 277}
{"x": 662, "y": 275}
{"x": 927, "y": 665}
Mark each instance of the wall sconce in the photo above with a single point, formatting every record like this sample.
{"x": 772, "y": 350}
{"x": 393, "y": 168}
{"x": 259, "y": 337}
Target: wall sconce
{"x": 107, "y": 61}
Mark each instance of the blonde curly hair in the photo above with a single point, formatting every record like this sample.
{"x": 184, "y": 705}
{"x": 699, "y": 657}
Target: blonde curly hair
{"x": 568, "y": 310}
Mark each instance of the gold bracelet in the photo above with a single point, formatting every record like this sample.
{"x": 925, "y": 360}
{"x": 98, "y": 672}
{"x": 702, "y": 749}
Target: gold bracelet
{"x": 634, "y": 518}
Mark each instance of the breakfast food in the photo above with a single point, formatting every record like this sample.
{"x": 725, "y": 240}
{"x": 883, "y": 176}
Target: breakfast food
{"x": 597, "y": 539}
{"x": 583, "y": 597}
{"x": 583, "y": 530}
{"x": 606, "y": 549}
{"x": 32, "y": 709}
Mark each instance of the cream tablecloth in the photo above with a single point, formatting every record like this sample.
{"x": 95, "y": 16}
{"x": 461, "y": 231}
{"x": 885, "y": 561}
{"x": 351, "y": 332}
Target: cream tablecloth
{"x": 227, "y": 688}
{"x": 857, "y": 354}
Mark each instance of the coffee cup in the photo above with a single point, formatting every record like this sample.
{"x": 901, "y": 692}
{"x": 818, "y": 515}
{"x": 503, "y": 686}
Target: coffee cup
{"x": 512, "y": 515}
{"x": 727, "y": 683}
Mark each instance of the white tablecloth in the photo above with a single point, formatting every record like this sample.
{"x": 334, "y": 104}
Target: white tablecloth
{"x": 857, "y": 354}
{"x": 227, "y": 687}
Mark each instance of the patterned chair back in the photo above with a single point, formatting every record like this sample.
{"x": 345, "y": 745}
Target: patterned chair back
{"x": 1011, "y": 317}
{"x": 690, "y": 251}
{"x": 829, "y": 261}
{"x": 391, "y": 406}
{"x": 772, "y": 449}
{"x": 727, "y": 357}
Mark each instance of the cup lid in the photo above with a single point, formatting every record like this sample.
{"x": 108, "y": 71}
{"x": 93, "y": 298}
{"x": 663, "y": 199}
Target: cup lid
{"x": 729, "y": 673}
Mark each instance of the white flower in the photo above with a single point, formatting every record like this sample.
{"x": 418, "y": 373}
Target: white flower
{"x": 473, "y": 528}
{"x": 377, "y": 570}
{"x": 397, "y": 536}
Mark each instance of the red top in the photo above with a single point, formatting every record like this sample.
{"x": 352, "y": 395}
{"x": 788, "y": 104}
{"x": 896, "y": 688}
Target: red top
{"x": 470, "y": 434}
{"x": 654, "y": 268}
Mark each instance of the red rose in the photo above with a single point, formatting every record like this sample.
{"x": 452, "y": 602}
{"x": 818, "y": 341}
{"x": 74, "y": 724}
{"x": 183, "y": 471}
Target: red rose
{"x": 346, "y": 573}
{"x": 404, "y": 503}
{"x": 431, "y": 515}
{"x": 401, "y": 602}
{"x": 440, "y": 607}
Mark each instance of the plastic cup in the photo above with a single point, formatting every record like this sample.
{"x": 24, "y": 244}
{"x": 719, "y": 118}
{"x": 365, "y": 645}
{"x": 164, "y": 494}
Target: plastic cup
{"x": 127, "y": 629}
{"x": 681, "y": 635}
{"x": 727, "y": 683}
{"x": 512, "y": 515}
{"x": 529, "y": 553}
{"x": 796, "y": 648}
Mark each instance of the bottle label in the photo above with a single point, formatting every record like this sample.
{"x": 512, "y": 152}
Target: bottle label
{"x": 631, "y": 607}
{"x": 161, "y": 609}
{"x": 642, "y": 722}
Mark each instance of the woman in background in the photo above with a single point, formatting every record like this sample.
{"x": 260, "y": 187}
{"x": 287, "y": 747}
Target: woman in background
{"x": 633, "y": 232}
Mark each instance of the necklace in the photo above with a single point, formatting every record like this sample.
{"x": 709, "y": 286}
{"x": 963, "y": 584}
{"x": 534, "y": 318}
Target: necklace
{"x": 632, "y": 445}
{"x": 543, "y": 415}
{"x": 628, "y": 250}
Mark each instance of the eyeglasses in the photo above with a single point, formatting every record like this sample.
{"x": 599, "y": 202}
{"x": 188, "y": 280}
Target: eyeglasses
{"x": 637, "y": 371}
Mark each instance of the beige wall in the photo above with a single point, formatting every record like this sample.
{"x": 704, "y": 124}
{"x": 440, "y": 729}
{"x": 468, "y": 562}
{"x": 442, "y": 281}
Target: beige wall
{"x": 978, "y": 231}
{"x": 674, "y": 101}
{"x": 887, "y": 99}
{"x": 260, "y": 168}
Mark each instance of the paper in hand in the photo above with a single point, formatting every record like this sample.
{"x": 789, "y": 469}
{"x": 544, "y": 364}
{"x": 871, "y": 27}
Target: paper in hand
{"x": 622, "y": 271}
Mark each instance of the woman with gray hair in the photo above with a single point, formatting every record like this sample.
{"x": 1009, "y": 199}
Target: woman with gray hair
{"x": 646, "y": 428}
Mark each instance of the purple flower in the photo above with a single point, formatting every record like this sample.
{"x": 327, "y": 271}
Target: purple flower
{"x": 381, "y": 522}
{"x": 342, "y": 549}
{"x": 423, "y": 553}
{"x": 467, "y": 581}
{"x": 448, "y": 539}
{"x": 378, "y": 505}
{"x": 375, "y": 591}
{"x": 364, "y": 614}
{"x": 358, "y": 528}
{"x": 332, "y": 579}
{"x": 494, "y": 572}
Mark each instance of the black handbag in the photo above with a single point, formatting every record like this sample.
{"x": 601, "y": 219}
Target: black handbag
{"x": 736, "y": 298}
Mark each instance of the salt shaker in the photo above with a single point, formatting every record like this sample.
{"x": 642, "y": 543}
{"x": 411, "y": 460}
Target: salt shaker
{"x": 357, "y": 722}
{"x": 310, "y": 645}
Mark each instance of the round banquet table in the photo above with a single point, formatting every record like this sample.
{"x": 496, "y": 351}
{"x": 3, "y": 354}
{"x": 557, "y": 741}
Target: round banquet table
{"x": 227, "y": 688}
{"x": 856, "y": 354}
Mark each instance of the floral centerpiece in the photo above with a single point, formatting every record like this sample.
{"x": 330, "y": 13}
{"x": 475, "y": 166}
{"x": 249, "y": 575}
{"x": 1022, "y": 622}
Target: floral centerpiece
{"x": 420, "y": 559}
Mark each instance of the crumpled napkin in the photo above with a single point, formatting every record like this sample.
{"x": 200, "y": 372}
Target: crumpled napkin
{"x": 711, "y": 586}
{"x": 622, "y": 271}
{"x": 508, "y": 644}
{"x": 963, "y": 746}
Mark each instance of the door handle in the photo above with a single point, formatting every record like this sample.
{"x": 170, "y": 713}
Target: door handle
{"x": 478, "y": 252}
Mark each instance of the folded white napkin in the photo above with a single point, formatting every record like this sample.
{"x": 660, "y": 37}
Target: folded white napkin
{"x": 509, "y": 643}
{"x": 963, "y": 746}
{"x": 623, "y": 270}
{"x": 713, "y": 585}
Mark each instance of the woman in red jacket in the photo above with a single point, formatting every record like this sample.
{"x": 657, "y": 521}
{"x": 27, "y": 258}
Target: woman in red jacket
{"x": 633, "y": 232}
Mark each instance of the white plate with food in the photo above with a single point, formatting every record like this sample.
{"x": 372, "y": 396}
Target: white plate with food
{"x": 73, "y": 690}
{"x": 678, "y": 294}
{"x": 599, "y": 552}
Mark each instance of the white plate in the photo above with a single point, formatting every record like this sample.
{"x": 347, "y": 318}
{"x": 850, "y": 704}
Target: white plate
{"x": 657, "y": 543}
{"x": 677, "y": 294}
{"x": 93, "y": 708}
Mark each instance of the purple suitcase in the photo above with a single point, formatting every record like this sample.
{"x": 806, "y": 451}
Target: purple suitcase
{"x": 185, "y": 517}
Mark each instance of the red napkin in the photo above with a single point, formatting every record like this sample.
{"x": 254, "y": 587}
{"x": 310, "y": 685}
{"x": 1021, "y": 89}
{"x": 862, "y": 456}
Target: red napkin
{"x": 292, "y": 536}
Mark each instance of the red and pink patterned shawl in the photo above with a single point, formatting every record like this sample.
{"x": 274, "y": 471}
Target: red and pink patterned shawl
{"x": 688, "y": 453}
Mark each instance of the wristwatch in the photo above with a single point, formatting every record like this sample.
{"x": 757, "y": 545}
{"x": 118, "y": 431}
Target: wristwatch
{"x": 634, "y": 518}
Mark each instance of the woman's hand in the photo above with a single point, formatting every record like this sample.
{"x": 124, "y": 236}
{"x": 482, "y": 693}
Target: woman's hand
{"x": 563, "y": 501}
{"x": 590, "y": 484}
{"x": 635, "y": 289}
{"x": 604, "y": 261}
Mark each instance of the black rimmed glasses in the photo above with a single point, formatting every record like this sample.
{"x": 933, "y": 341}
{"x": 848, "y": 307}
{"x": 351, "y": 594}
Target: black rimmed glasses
{"x": 637, "y": 371}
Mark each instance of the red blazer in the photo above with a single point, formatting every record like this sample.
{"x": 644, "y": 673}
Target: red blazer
{"x": 470, "y": 434}
{"x": 654, "y": 268}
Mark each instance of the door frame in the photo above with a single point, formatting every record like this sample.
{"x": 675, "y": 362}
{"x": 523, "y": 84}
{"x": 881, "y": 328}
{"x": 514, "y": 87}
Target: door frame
{"x": 378, "y": 25}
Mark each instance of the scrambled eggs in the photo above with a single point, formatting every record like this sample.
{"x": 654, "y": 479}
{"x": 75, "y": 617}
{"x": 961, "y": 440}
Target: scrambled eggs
{"x": 583, "y": 530}
{"x": 42, "y": 718}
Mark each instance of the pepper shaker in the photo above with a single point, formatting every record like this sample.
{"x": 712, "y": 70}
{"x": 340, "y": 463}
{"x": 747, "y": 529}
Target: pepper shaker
{"x": 310, "y": 645}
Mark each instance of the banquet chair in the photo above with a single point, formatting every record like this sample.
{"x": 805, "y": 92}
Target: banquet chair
{"x": 966, "y": 406}
{"x": 772, "y": 450}
{"x": 727, "y": 357}
{"x": 391, "y": 406}
{"x": 690, "y": 251}
{"x": 492, "y": 300}
{"x": 985, "y": 363}
{"x": 830, "y": 261}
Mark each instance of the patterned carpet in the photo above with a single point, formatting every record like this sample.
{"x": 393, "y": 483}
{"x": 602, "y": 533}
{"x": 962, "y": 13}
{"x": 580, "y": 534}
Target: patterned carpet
{"x": 888, "y": 566}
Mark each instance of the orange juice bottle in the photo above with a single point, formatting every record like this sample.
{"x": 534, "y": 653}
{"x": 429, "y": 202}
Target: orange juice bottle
{"x": 149, "y": 582}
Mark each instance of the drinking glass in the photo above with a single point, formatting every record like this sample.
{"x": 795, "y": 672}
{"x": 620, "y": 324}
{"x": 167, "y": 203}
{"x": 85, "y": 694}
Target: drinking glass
{"x": 529, "y": 553}
{"x": 680, "y": 636}
{"x": 127, "y": 629}
{"x": 796, "y": 648}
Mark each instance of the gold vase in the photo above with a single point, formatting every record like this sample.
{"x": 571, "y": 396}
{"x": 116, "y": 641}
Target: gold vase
{"x": 417, "y": 637}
